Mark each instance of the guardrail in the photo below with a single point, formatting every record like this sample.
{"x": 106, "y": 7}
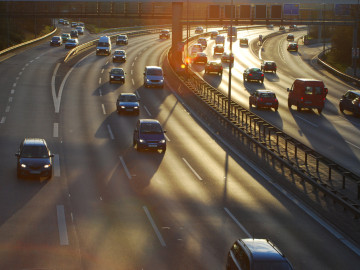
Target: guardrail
{"x": 322, "y": 173}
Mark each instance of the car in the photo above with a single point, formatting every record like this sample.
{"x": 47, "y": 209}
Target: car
{"x": 214, "y": 34}
{"x": 127, "y": 102}
{"x": 117, "y": 75}
{"x": 307, "y": 93}
{"x": 122, "y": 40}
{"x": 200, "y": 57}
{"x": 255, "y": 253}
{"x": 34, "y": 158}
{"x": 74, "y": 24}
{"x": 164, "y": 34}
{"x": 270, "y": 26}
{"x": 71, "y": 43}
{"x": 290, "y": 37}
{"x": 350, "y": 101}
{"x": 253, "y": 74}
{"x": 281, "y": 28}
{"x": 65, "y": 36}
{"x": 267, "y": 65}
{"x": 56, "y": 41}
{"x": 61, "y": 21}
{"x": 227, "y": 57}
{"x": 80, "y": 29}
{"x": 220, "y": 39}
{"x": 103, "y": 46}
{"x": 263, "y": 99}
{"x": 119, "y": 56}
{"x": 149, "y": 134}
{"x": 292, "y": 46}
{"x": 81, "y": 24}
{"x": 244, "y": 41}
{"x": 202, "y": 41}
{"x": 153, "y": 76}
{"x": 195, "y": 49}
{"x": 74, "y": 34}
{"x": 292, "y": 27}
{"x": 199, "y": 30}
{"x": 219, "y": 48}
{"x": 214, "y": 67}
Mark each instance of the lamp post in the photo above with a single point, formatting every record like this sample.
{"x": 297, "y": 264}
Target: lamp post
{"x": 230, "y": 65}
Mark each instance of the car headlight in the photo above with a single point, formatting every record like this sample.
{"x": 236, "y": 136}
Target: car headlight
{"x": 112, "y": 77}
{"x": 47, "y": 166}
{"x": 147, "y": 80}
{"x": 162, "y": 141}
{"x": 122, "y": 107}
{"x": 136, "y": 107}
{"x": 142, "y": 141}
{"x": 161, "y": 81}
{"x": 23, "y": 165}
{"x": 122, "y": 77}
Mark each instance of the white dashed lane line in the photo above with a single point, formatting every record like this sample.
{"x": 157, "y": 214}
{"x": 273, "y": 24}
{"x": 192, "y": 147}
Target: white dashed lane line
{"x": 110, "y": 132}
{"x": 125, "y": 168}
{"x": 56, "y": 130}
{"x": 63, "y": 235}
{"x": 192, "y": 169}
{"x": 103, "y": 108}
{"x": 161, "y": 239}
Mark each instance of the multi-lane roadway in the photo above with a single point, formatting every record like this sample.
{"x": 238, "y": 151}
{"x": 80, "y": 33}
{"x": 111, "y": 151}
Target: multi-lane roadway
{"x": 111, "y": 207}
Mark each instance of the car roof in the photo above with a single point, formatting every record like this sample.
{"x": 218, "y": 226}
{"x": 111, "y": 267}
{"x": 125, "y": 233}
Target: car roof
{"x": 356, "y": 92}
{"x": 219, "y": 45}
{"x": 264, "y": 91}
{"x": 152, "y": 121}
{"x": 201, "y": 54}
{"x": 263, "y": 250}
{"x": 308, "y": 80}
{"x": 153, "y": 67}
{"x": 117, "y": 51}
{"x": 34, "y": 141}
{"x": 116, "y": 68}
{"x": 269, "y": 61}
{"x": 214, "y": 62}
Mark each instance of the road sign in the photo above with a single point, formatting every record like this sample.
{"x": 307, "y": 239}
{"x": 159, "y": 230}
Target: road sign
{"x": 291, "y": 9}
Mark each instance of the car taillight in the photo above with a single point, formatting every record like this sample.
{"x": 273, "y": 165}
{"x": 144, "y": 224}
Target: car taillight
{"x": 250, "y": 74}
{"x": 262, "y": 75}
{"x": 302, "y": 99}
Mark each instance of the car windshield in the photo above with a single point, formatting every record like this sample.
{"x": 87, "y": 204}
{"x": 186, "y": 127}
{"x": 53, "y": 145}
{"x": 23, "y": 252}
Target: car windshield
{"x": 119, "y": 52}
{"x": 121, "y": 37}
{"x": 267, "y": 95}
{"x": 128, "y": 98}
{"x": 150, "y": 128}
{"x": 103, "y": 44}
{"x": 117, "y": 71}
{"x": 56, "y": 38}
{"x": 266, "y": 265}
{"x": 154, "y": 72}
{"x": 34, "y": 151}
{"x": 256, "y": 70}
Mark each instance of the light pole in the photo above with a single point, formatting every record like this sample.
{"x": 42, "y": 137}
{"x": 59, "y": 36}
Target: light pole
{"x": 230, "y": 65}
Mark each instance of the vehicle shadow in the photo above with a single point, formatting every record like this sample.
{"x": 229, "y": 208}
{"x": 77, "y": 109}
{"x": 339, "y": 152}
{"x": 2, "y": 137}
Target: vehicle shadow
{"x": 107, "y": 88}
{"x": 272, "y": 77}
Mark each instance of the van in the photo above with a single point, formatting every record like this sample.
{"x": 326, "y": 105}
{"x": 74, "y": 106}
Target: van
{"x": 307, "y": 93}
{"x": 153, "y": 76}
{"x": 104, "y": 46}
{"x": 220, "y": 39}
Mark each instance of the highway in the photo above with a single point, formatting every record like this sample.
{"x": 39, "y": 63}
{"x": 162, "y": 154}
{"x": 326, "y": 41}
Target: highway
{"x": 111, "y": 207}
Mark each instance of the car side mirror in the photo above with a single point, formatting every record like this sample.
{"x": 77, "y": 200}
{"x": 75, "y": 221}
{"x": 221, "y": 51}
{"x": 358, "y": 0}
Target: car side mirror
{"x": 326, "y": 90}
{"x": 51, "y": 155}
{"x": 288, "y": 89}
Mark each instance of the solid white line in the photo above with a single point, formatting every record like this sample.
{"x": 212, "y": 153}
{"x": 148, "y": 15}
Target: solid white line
{"x": 154, "y": 226}
{"x": 353, "y": 144}
{"x": 238, "y": 223}
{"x": 110, "y": 132}
{"x": 191, "y": 168}
{"x": 2, "y": 121}
{"x": 148, "y": 112}
{"x": 64, "y": 241}
{"x": 125, "y": 168}
{"x": 56, "y": 130}
{"x": 56, "y": 165}
{"x": 103, "y": 108}
{"x": 314, "y": 125}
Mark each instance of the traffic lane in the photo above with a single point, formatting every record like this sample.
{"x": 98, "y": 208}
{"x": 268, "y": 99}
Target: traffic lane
{"x": 31, "y": 222}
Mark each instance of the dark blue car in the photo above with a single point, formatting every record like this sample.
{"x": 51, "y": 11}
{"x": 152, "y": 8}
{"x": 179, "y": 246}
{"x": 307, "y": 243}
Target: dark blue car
{"x": 350, "y": 101}
{"x": 34, "y": 158}
{"x": 148, "y": 134}
{"x": 128, "y": 103}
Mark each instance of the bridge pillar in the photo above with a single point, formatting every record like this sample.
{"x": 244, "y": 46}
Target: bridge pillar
{"x": 177, "y": 31}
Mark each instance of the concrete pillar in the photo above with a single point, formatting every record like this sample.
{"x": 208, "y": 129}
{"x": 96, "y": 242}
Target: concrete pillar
{"x": 177, "y": 11}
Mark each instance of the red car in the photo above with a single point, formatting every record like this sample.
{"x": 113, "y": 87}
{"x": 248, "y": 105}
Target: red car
{"x": 214, "y": 67}
{"x": 263, "y": 99}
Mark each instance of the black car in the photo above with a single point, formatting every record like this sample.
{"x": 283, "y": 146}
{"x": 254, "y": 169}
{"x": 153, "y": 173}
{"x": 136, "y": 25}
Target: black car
{"x": 281, "y": 28}
{"x": 34, "y": 158}
{"x": 119, "y": 56}
{"x": 253, "y": 74}
{"x": 244, "y": 42}
{"x": 56, "y": 41}
{"x": 128, "y": 102}
{"x": 268, "y": 66}
{"x": 214, "y": 67}
{"x": 292, "y": 46}
{"x": 74, "y": 34}
{"x": 117, "y": 75}
{"x": 219, "y": 48}
{"x": 164, "y": 34}
{"x": 122, "y": 40}
{"x": 350, "y": 101}
{"x": 149, "y": 134}
{"x": 263, "y": 99}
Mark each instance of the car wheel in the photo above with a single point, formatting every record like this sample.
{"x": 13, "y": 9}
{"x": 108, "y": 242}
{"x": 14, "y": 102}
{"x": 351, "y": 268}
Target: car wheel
{"x": 244, "y": 78}
{"x": 289, "y": 104}
{"x": 50, "y": 175}
{"x": 276, "y": 108}
{"x": 341, "y": 108}
{"x": 298, "y": 107}
{"x": 261, "y": 81}
{"x": 319, "y": 110}
{"x": 257, "y": 106}
{"x": 138, "y": 147}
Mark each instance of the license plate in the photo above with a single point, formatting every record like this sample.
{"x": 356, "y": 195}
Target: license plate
{"x": 129, "y": 110}
{"x": 152, "y": 145}
{"x": 308, "y": 102}
{"x": 268, "y": 104}
{"x": 35, "y": 172}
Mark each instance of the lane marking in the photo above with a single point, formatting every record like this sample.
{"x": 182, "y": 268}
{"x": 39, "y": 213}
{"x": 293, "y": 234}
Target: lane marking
{"x": 154, "y": 226}
{"x": 14, "y": 85}
{"x": 132, "y": 80}
{"x": 110, "y": 132}
{"x": 12, "y": 91}
{"x": 56, "y": 165}
{"x": 10, "y": 99}
{"x": 146, "y": 109}
{"x": 7, "y": 109}
{"x": 20, "y": 73}
{"x": 102, "y": 71}
{"x": 100, "y": 92}
{"x": 64, "y": 241}
{"x": 17, "y": 78}
{"x": 131, "y": 72}
{"x": 238, "y": 223}
{"x": 192, "y": 169}
{"x": 56, "y": 130}
{"x": 353, "y": 144}
{"x": 99, "y": 80}
{"x": 125, "y": 168}
{"x": 167, "y": 138}
{"x": 314, "y": 125}
{"x": 2, "y": 121}
{"x": 103, "y": 108}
